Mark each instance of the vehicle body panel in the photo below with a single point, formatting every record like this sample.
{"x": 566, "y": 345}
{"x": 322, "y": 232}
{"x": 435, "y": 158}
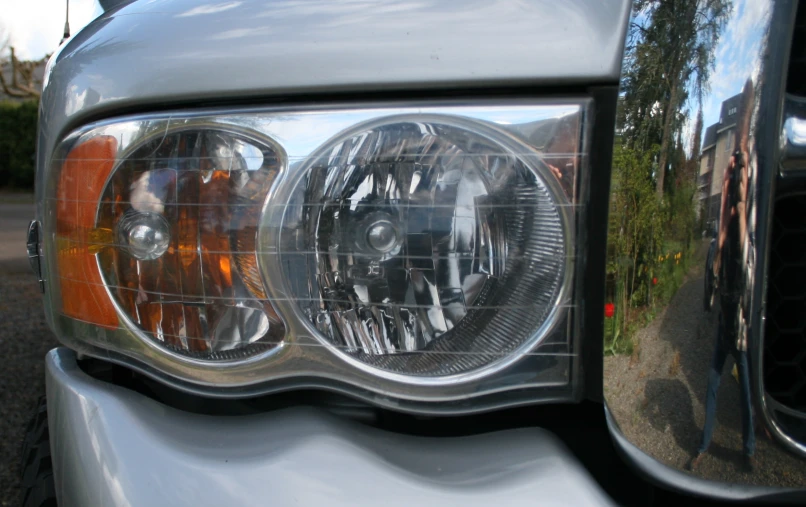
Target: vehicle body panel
{"x": 112, "y": 446}
{"x": 177, "y": 52}
{"x": 116, "y": 447}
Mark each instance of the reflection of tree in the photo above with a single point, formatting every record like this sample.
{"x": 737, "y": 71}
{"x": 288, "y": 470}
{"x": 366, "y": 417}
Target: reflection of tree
{"x": 670, "y": 55}
{"x": 637, "y": 228}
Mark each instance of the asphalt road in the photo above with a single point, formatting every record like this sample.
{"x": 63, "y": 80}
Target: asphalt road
{"x": 24, "y": 340}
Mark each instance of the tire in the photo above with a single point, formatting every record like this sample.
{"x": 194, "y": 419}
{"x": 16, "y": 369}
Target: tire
{"x": 37, "y": 487}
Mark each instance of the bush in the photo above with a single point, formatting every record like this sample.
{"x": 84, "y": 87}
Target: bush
{"x": 18, "y": 144}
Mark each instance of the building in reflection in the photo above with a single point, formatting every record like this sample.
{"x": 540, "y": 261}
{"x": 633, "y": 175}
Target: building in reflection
{"x": 717, "y": 147}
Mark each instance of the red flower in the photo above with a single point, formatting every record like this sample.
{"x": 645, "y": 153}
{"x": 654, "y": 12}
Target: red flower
{"x": 610, "y": 310}
{"x": 655, "y": 281}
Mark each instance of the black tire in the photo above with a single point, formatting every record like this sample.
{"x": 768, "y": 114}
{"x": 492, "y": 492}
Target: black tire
{"x": 37, "y": 487}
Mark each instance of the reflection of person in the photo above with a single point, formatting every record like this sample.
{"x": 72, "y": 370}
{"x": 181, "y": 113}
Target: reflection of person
{"x": 562, "y": 152}
{"x": 729, "y": 267}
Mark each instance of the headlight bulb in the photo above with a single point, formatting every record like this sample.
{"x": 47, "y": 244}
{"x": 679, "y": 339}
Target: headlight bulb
{"x": 145, "y": 236}
{"x": 382, "y": 236}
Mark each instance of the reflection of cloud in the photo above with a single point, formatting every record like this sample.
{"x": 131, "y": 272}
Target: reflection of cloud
{"x": 738, "y": 55}
{"x": 75, "y": 101}
{"x": 239, "y": 32}
{"x": 345, "y": 11}
{"x": 209, "y": 9}
{"x": 505, "y": 115}
{"x": 149, "y": 191}
{"x": 300, "y": 135}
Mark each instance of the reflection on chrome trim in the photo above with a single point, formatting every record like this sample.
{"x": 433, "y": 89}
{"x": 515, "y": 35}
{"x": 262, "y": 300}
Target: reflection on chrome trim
{"x": 793, "y": 137}
{"x": 771, "y": 409}
{"x": 795, "y": 129}
{"x": 687, "y": 240}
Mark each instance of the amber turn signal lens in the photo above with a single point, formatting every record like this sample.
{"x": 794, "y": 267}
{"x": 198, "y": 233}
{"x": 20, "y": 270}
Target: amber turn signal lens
{"x": 81, "y": 181}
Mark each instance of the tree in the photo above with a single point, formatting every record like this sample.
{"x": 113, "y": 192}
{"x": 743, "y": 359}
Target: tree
{"x": 696, "y": 145}
{"x": 686, "y": 167}
{"x": 22, "y": 83}
{"x": 17, "y": 77}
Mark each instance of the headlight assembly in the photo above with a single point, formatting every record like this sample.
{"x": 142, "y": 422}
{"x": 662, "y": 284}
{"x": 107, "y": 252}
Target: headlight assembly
{"x": 421, "y": 254}
{"x": 408, "y": 251}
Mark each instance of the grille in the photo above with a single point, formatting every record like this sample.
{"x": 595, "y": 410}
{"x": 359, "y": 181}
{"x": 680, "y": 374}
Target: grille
{"x": 785, "y": 332}
{"x": 796, "y": 77}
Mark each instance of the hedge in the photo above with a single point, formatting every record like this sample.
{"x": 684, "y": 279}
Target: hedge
{"x": 18, "y": 144}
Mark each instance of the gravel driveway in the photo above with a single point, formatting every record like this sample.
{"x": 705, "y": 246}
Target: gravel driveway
{"x": 658, "y": 397}
{"x": 24, "y": 340}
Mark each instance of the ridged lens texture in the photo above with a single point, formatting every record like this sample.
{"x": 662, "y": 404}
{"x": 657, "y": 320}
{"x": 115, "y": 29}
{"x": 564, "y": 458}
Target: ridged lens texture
{"x": 181, "y": 214}
{"x": 425, "y": 247}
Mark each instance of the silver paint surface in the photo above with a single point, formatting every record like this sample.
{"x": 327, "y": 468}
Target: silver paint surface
{"x": 114, "y": 447}
{"x": 149, "y": 54}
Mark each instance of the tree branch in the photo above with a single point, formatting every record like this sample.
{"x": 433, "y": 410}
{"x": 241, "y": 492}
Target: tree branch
{"x": 25, "y": 70}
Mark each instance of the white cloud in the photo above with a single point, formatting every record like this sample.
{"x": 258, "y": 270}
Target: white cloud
{"x": 35, "y": 27}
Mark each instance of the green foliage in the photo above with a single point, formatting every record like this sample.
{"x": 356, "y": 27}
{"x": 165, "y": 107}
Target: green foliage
{"x": 636, "y": 235}
{"x": 618, "y": 338}
{"x": 650, "y": 244}
{"x": 18, "y": 144}
{"x": 683, "y": 221}
{"x": 638, "y": 213}
{"x": 671, "y": 273}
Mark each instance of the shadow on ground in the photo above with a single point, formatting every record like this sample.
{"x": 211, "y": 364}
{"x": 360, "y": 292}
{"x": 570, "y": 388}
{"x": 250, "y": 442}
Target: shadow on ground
{"x": 658, "y": 396}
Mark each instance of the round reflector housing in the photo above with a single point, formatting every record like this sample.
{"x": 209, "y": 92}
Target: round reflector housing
{"x": 426, "y": 246}
{"x": 179, "y": 258}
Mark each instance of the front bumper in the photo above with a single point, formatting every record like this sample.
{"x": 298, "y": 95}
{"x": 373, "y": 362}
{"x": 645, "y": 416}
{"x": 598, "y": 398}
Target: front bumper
{"x": 114, "y": 447}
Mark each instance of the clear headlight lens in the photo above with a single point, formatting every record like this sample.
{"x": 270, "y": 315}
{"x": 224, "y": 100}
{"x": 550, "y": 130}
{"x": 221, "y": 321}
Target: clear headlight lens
{"x": 425, "y": 245}
{"x": 421, "y": 253}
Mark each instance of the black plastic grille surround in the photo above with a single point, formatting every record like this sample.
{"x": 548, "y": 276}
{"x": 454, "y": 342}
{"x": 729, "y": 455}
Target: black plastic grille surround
{"x": 785, "y": 331}
{"x": 796, "y": 75}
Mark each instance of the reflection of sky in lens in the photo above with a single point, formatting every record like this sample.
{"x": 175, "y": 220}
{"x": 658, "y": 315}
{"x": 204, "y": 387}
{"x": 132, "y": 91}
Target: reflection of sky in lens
{"x": 737, "y": 57}
{"x": 300, "y": 136}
